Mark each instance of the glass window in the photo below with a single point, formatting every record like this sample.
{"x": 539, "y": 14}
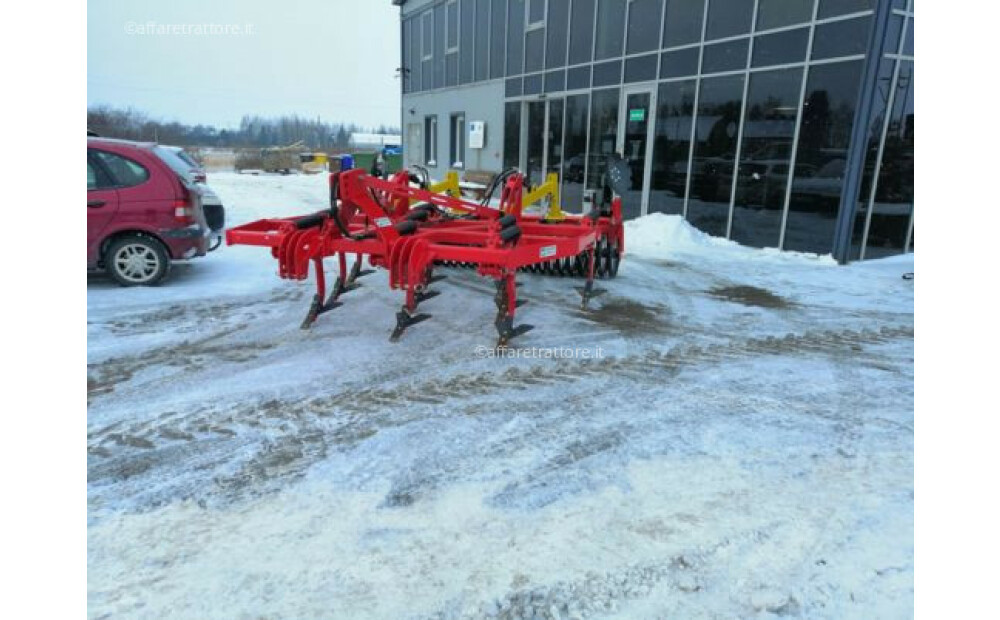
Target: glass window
{"x": 780, "y": 48}
{"x": 96, "y": 178}
{"x": 679, "y": 63}
{"x": 415, "y": 53}
{"x": 430, "y": 140}
{"x": 893, "y": 30}
{"x": 682, "y": 24}
{"x": 641, "y": 68}
{"x": 644, "y": 25}
{"x": 830, "y": 8}
{"x": 515, "y": 36}
{"x": 427, "y": 25}
{"x": 610, "y": 28}
{"x": 556, "y": 24}
{"x": 893, "y": 205}
{"x": 908, "y": 43}
{"x": 778, "y": 13}
{"x": 887, "y": 68}
{"x": 457, "y": 143}
{"x": 603, "y": 134}
{"x": 536, "y": 142}
{"x": 466, "y": 51}
{"x": 498, "y": 30}
{"x": 824, "y": 135}
{"x": 534, "y": 50}
{"x": 727, "y": 56}
{"x": 553, "y": 145}
{"x": 581, "y": 28}
{"x": 405, "y": 53}
{"x": 765, "y": 152}
{"x": 533, "y": 84}
{"x": 512, "y": 134}
{"x": 608, "y": 73}
{"x": 512, "y": 87}
{"x": 578, "y": 77}
{"x": 451, "y": 69}
{"x": 716, "y": 133}
{"x": 438, "y": 58}
{"x": 574, "y": 161}
{"x": 536, "y": 11}
{"x": 555, "y": 81}
{"x": 671, "y": 147}
{"x": 124, "y": 171}
{"x": 451, "y": 20}
{"x": 841, "y": 38}
{"x": 481, "y": 69}
{"x": 727, "y": 18}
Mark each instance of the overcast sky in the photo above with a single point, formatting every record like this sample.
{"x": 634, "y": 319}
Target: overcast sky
{"x": 335, "y": 59}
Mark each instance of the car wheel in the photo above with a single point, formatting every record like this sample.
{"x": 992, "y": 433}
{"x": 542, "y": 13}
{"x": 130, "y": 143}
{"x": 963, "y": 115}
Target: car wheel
{"x": 137, "y": 261}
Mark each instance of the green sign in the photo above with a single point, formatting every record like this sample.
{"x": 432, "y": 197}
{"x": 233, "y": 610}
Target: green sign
{"x": 637, "y": 115}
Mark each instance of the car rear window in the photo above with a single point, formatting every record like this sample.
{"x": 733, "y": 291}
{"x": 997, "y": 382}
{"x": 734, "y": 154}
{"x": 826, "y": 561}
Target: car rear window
{"x": 125, "y": 171}
{"x": 173, "y": 159}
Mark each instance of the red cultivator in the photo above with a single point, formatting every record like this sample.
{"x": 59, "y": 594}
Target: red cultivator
{"x": 409, "y": 230}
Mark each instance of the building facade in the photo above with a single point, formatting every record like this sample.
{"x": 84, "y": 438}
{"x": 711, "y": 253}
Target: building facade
{"x": 775, "y": 123}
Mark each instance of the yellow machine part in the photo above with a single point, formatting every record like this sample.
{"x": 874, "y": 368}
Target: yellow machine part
{"x": 549, "y": 189}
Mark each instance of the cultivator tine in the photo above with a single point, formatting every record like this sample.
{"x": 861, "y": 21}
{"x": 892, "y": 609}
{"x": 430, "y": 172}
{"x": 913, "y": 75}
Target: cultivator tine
{"x": 403, "y": 320}
{"x": 357, "y": 271}
{"x": 318, "y": 307}
{"x": 588, "y": 292}
{"x": 425, "y": 295}
{"x": 507, "y": 331}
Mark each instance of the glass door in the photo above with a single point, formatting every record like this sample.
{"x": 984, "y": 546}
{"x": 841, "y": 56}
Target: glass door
{"x": 534, "y": 167}
{"x": 544, "y": 133}
{"x": 635, "y": 135}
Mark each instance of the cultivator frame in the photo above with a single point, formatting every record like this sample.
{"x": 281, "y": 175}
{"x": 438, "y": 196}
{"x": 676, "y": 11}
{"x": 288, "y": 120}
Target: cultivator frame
{"x": 409, "y": 230}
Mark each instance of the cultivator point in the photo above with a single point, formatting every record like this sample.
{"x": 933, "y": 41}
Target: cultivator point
{"x": 405, "y": 227}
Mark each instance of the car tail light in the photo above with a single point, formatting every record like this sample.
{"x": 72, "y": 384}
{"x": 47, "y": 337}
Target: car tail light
{"x": 184, "y": 208}
{"x": 183, "y": 212}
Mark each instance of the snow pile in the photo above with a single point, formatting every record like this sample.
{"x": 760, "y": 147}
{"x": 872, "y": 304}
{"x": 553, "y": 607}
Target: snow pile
{"x": 662, "y": 236}
{"x": 659, "y": 235}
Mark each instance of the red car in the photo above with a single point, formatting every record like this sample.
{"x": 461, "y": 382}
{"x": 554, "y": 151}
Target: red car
{"x": 142, "y": 212}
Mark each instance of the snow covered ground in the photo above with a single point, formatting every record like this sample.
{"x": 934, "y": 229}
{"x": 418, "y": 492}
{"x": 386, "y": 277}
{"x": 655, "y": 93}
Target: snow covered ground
{"x": 743, "y": 450}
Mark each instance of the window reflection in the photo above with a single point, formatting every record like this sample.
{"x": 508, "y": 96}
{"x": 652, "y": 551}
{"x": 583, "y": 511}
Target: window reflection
{"x": 727, "y": 18}
{"x": 515, "y": 36}
{"x": 512, "y": 134}
{"x": 603, "y": 134}
{"x": 824, "y": 135}
{"x": 893, "y": 206}
{"x": 873, "y": 140}
{"x": 777, "y": 13}
{"x": 683, "y": 21}
{"x": 536, "y": 141}
{"x": 671, "y": 147}
{"x": 575, "y": 160}
{"x": 765, "y": 154}
{"x": 717, "y": 129}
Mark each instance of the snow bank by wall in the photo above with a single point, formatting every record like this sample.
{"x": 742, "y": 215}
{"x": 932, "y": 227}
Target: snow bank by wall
{"x": 658, "y": 235}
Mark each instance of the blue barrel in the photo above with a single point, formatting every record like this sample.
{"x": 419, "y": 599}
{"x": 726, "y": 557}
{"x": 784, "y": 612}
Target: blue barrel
{"x": 346, "y": 162}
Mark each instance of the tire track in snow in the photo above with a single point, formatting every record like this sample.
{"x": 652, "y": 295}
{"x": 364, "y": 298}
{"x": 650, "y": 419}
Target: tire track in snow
{"x": 260, "y": 446}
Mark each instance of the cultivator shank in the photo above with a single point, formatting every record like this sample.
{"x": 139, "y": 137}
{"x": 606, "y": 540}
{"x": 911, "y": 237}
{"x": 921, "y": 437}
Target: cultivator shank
{"x": 400, "y": 225}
